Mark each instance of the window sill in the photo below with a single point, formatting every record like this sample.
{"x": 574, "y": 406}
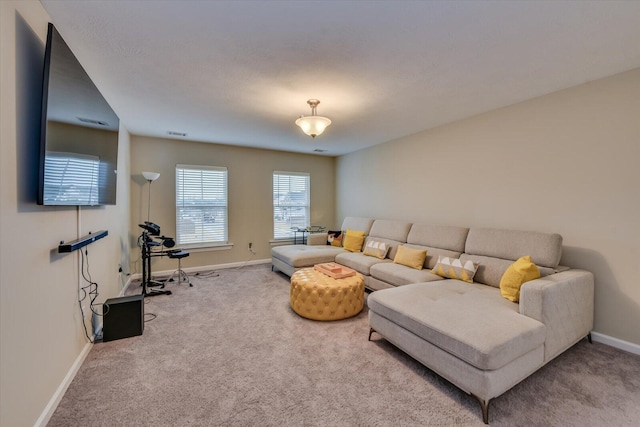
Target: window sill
{"x": 205, "y": 247}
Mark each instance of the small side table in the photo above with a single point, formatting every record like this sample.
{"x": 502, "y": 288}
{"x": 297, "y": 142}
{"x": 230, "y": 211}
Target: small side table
{"x": 305, "y": 232}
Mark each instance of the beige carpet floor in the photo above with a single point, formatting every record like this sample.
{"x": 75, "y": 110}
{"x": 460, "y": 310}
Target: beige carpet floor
{"x": 231, "y": 352}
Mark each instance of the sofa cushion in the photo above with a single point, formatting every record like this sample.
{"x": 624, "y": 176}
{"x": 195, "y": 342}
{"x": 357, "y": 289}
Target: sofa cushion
{"x": 438, "y": 236}
{"x": 314, "y": 239}
{"x": 399, "y": 275}
{"x": 357, "y": 223}
{"x": 358, "y": 261}
{"x": 545, "y": 249}
{"x": 470, "y": 321}
{"x": 304, "y": 255}
{"x": 490, "y": 270}
{"x": 392, "y": 230}
{"x": 433, "y": 254}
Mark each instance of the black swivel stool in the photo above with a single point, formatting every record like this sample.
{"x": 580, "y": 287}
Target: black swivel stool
{"x": 182, "y": 276}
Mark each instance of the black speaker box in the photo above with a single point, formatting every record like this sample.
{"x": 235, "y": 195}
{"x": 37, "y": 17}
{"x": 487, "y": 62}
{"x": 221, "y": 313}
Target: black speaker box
{"x": 123, "y": 318}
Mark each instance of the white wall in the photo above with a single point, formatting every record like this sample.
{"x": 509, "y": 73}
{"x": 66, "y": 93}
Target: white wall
{"x": 41, "y": 325}
{"x": 565, "y": 162}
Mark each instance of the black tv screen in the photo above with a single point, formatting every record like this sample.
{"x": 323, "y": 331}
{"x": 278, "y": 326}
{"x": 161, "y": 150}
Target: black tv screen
{"x": 79, "y": 134}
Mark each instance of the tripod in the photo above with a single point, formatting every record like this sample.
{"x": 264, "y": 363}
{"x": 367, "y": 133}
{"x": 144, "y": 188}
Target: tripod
{"x": 147, "y": 282}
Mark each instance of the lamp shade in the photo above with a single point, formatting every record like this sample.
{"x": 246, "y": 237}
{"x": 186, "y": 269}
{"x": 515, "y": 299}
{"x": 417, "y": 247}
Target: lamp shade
{"x": 313, "y": 125}
{"x": 150, "y": 176}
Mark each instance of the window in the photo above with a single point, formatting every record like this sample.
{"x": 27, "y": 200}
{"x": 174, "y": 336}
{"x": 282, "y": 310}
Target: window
{"x": 201, "y": 204}
{"x": 71, "y": 179}
{"x": 290, "y": 203}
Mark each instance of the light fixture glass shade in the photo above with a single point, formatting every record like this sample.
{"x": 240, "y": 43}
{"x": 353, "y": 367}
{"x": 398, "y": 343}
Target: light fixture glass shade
{"x": 313, "y": 125}
{"x": 151, "y": 176}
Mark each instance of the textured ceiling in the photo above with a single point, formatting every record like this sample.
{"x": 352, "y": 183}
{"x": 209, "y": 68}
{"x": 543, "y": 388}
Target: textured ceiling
{"x": 240, "y": 72}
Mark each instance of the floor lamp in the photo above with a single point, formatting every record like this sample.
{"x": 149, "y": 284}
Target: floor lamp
{"x": 150, "y": 176}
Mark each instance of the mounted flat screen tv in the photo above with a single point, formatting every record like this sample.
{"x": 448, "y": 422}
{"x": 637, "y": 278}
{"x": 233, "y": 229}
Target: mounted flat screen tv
{"x": 79, "y": 134}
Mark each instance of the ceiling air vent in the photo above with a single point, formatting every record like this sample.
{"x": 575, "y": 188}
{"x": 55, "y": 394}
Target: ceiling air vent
{"x": 320, "y": 150}
{"x": 93, "y": 122}
{"x": 174, "y": 133}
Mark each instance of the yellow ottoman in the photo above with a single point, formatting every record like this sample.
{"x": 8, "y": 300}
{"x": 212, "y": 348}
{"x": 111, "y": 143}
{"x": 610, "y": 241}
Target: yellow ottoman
{"x": 316, "y": 296}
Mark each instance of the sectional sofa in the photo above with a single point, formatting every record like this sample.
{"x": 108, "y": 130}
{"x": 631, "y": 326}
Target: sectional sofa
{"x": 468, "y": 333}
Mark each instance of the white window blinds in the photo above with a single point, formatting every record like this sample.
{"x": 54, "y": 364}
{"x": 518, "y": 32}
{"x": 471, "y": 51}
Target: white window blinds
{"x": 291, "y": 197}
{"x": 201, "y": 204}
{"x": 71, "y": 179}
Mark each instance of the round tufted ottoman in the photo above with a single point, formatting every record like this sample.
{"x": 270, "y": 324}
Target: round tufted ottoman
{"x": 316, "y": 296}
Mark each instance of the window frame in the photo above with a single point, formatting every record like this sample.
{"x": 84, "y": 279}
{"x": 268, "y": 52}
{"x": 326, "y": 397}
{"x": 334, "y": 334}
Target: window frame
{"x": 277, "y": 204}
{"x": 180, "y": 234}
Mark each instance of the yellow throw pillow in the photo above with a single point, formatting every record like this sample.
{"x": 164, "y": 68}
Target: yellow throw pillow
{"x": 518, "y": 273}
{"x": 410, "y": 257}
{"x": 353, "y": 240}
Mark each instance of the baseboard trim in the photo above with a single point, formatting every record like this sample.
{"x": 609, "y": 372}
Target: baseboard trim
{"x": 615, "y": 342}
{"x": 62, "y": 388}
{"x": 167, "y": 273}
{"x": 223, "y": 266}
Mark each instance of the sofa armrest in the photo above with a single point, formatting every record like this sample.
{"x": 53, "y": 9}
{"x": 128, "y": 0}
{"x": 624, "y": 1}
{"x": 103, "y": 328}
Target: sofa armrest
{"x": 564, "y": 303}
{"x": 315, "y": 239}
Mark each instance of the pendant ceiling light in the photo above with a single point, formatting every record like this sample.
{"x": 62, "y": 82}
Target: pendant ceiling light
{"x": 313, "y": 125}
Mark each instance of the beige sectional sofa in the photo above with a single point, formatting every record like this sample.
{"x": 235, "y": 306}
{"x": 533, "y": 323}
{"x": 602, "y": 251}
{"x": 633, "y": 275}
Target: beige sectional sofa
{"x": 466, "y": 332}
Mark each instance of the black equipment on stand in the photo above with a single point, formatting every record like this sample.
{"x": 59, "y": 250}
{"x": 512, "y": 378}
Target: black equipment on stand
{"x": 147, "y": 241}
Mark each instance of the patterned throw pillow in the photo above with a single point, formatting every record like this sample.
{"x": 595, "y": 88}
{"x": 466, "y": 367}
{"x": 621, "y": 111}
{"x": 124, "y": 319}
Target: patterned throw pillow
{"x": 334, "y": 238}
{"x": 453, "y": 268}
{"x": 376, "y": 249}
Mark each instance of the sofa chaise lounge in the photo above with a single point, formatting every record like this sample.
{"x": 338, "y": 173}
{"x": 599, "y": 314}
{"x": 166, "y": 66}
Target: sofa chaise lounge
{"x": 468, "y": 333}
